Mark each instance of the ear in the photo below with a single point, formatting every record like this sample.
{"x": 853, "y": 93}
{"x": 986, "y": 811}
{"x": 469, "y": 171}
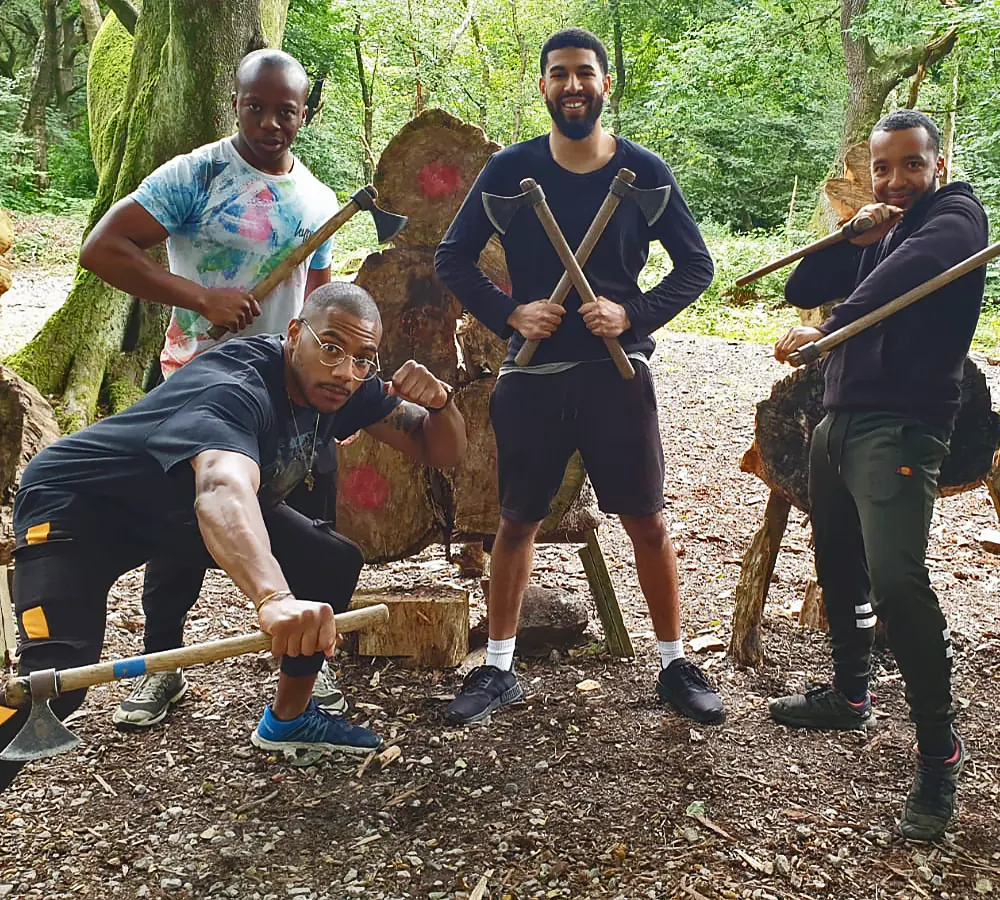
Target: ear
{"x": 232, "y": 100}
{"x": 541, "y": 85}
{"x": 941, "y": 169}
{"x": 294, "y": 330}
{"x": 607, "y": 85}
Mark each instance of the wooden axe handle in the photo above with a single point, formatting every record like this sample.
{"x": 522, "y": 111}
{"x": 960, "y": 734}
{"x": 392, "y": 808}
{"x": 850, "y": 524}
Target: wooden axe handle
{"x": 210, "y": 651}
{"x": 291, "y": 262}
{"x": 586, "y": 247}
{"x": 579, "y": 280}
{"x": 850, "y": 229}
{"x": 810, "y": 352}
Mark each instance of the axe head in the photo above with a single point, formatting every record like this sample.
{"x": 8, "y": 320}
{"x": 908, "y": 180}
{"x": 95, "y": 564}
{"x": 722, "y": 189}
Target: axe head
{"x": 652, "y": 201}
{"x": 500, "y": 210}
{"x": 43, "y": 735}
{"x": 387, "y": 224}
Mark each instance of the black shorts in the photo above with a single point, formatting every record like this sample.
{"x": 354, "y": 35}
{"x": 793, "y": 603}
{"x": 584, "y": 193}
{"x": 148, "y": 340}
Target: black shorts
{"x": 540, "y": 420}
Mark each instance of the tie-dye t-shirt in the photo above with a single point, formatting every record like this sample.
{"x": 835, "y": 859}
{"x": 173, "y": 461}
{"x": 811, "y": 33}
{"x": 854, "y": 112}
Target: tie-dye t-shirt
{"x": 229, "y": 225}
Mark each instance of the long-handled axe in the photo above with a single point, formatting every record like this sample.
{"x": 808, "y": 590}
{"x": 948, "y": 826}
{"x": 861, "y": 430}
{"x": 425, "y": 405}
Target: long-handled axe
{"x": 854, "y": 228}
{"x": 501, "y": 210}
{"x": 651, "y": 201}
{"x": 44, "y": 735}
{"x": 812, "y": 351}
{"x": 387, "y": 226}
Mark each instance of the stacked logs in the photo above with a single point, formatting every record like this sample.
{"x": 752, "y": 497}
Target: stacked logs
{"x": 6, "y": 241}
{"x": 389, "y": 505}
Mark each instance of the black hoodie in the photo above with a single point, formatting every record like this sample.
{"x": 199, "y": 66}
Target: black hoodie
{"x": 912, "y": 362}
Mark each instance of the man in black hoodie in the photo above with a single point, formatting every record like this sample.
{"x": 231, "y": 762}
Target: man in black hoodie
{"x": 892, "y": 394}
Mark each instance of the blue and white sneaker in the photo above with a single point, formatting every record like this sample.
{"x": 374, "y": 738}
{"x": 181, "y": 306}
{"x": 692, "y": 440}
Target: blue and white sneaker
{"x": 312, "y": 736}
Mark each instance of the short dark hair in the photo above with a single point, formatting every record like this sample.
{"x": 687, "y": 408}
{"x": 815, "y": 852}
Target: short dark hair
{"x": 343, "y": 296}
{"x": 268, "y": 58}
{"x": 902, "y": 119}
{"x": 579, "y": 38}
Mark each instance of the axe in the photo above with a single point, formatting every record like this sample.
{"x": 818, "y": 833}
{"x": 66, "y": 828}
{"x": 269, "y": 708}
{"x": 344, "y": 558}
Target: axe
{"x": 500, "y": 211}
{"x": 812, "y": 351}
{"x": 652, "y": 202}
{"x": 387, "y": 226}
{"x": 854, "y": 228}
{"x": 43, "y": 735}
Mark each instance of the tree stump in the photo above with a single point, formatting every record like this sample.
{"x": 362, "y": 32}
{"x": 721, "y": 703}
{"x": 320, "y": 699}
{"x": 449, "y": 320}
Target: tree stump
{"x": 848, "y": 194}
{"x": 6, "y": 241}
{"x": 779, "y": 456}
{"x": 27, "y": 424}
{"x": 426, "y": 170}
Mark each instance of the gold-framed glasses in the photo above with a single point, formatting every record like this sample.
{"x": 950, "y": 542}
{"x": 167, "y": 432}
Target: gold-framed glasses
{"x": 332, "y": 355}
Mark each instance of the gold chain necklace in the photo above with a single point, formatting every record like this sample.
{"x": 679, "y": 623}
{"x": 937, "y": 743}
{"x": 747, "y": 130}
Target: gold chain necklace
{"x": 310, "y": 479}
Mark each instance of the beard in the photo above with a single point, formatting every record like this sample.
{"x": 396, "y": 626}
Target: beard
{"x": 577, "y": 129}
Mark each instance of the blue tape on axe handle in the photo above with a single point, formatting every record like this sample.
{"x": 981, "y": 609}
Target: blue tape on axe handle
{"x": 130, "y": 668}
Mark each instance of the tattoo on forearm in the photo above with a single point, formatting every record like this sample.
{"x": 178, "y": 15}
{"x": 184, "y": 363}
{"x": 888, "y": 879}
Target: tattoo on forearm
{"x": 407, "y": 418}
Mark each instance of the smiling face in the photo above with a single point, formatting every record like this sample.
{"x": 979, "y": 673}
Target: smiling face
{"x": 315, "y": 383}
{"x": 905, "y": 166}
{"x": 574, "y": 88}
{"x": 270, "y": 108}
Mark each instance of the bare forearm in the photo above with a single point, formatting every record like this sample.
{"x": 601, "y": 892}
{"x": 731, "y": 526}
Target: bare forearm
{"x": 233, "y": 530}
{"x": 444, "y": 437}
{"x": 127, "y": 267}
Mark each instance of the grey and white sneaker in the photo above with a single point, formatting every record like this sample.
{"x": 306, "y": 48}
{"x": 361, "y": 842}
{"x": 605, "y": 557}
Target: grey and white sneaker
{"x": 328, "y": 696}
{"x": 150, "y": 700}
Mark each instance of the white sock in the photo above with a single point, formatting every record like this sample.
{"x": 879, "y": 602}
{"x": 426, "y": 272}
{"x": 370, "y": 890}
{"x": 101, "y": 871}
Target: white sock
{"x": 669, "y": 651}
{"x": 500, "y": 653}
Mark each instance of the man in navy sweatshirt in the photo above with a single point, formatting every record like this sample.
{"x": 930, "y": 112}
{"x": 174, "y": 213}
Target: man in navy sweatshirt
{"x": 892, "y": 394}
{"x": 571, "y": 397}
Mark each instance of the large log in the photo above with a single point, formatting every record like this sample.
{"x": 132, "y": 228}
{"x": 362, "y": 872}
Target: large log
{"x": 427, "y": 169}
{"x": 785, "y": 421}
{"x": 473, "y": 484}
{"x": 27, "y": 424}
{"x": 848, "y": 194}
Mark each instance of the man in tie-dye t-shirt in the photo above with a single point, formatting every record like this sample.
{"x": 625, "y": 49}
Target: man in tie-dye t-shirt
{"x": 228, "y": 211}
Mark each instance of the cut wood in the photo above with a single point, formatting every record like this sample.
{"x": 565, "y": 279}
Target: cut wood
{"x": 6, "y": 240}
{"x": 989, "y": 540}
{"x": 813, "y": 612}
{"x": 746, "y": 646}
{"x": 27, "y": 424}
{"x": 429, "y": 625}
{"x": 848, "y": 194}
{"x": 8, "y": 629}
{"x": 785, "y": 422}
{"x": 383, "y": 500}
{"x": 427, "y": 169}
{"x": 603, "y": 591}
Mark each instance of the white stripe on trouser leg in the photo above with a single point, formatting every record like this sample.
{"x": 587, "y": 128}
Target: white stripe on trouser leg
{"x": 863, "y": 610}
{"x": 948, "y": 651}
{"x": 868, "y": 622}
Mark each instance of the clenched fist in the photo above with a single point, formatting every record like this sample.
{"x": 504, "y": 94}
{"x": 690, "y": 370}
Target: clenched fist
{"x": 414, "y": 382}
{"x": 536, "y": 321}
{"x": 298, "y": 627}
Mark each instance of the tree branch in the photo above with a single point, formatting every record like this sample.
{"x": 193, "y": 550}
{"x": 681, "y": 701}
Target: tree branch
{"x": 127, "y": 14}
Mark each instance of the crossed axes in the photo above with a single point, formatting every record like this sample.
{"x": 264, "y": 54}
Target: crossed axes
{"x": 501, "y": 210}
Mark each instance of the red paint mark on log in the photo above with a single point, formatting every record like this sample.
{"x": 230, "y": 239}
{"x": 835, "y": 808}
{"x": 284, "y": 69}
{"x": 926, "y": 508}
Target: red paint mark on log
{"x": 365, "y": 488}
{"x": 438, "y": 179}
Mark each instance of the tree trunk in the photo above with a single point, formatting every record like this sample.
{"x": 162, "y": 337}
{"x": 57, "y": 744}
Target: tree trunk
{"x": 484, "y": 76}
{"x": 619, "y": 87}
{"x": 90, "y": 12}
{"x": 366, "y": 87}
{"x": 43, "y": 78}
{"x": 180, "y": 74}
{"x": 522, "y": 53}
{"x": 70, "y": 41}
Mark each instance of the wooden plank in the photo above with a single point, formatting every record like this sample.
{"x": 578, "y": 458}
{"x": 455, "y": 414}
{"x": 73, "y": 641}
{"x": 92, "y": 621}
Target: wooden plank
{"x": 429, "y": 625}
{"x": 603, "y": 591}
{"x": 8, "y": 629}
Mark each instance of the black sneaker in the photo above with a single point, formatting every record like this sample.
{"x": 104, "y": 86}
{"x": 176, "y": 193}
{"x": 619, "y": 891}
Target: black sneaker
{"x": 485, "y": 689}
{"x": 683, "y": 685}
{"x": 824, "y": 708}
{"x": 150, "y": 700}
{"x": 931, "y": 801}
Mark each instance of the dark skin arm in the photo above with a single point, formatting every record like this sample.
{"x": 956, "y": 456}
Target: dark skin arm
{"x": 115, "y": 251}
{"x": 432, "y": 439}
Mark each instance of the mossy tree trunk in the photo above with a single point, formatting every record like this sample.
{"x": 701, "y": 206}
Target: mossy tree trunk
{"x": 98, "y": 346}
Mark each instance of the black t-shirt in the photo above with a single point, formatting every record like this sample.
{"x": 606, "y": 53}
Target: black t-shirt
{"x": 129, "y": 476}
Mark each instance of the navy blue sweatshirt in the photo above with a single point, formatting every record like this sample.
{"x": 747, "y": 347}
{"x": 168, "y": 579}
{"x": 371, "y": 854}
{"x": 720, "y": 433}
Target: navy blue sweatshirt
{"x": 613, "y": 268}
{"x": 910, "y": 363}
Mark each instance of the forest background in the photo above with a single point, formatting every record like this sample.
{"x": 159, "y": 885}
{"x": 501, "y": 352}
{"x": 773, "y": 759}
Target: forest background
{"x": 752, "y": 102}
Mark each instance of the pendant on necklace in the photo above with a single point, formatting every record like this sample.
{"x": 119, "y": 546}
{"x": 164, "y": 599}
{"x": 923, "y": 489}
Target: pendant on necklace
{"x": 310, "y": 480}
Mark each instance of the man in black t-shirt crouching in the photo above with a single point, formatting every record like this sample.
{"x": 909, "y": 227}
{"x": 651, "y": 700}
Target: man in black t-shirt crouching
{"x": 571, "y": 397}
{"x": 198, "y": 470}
